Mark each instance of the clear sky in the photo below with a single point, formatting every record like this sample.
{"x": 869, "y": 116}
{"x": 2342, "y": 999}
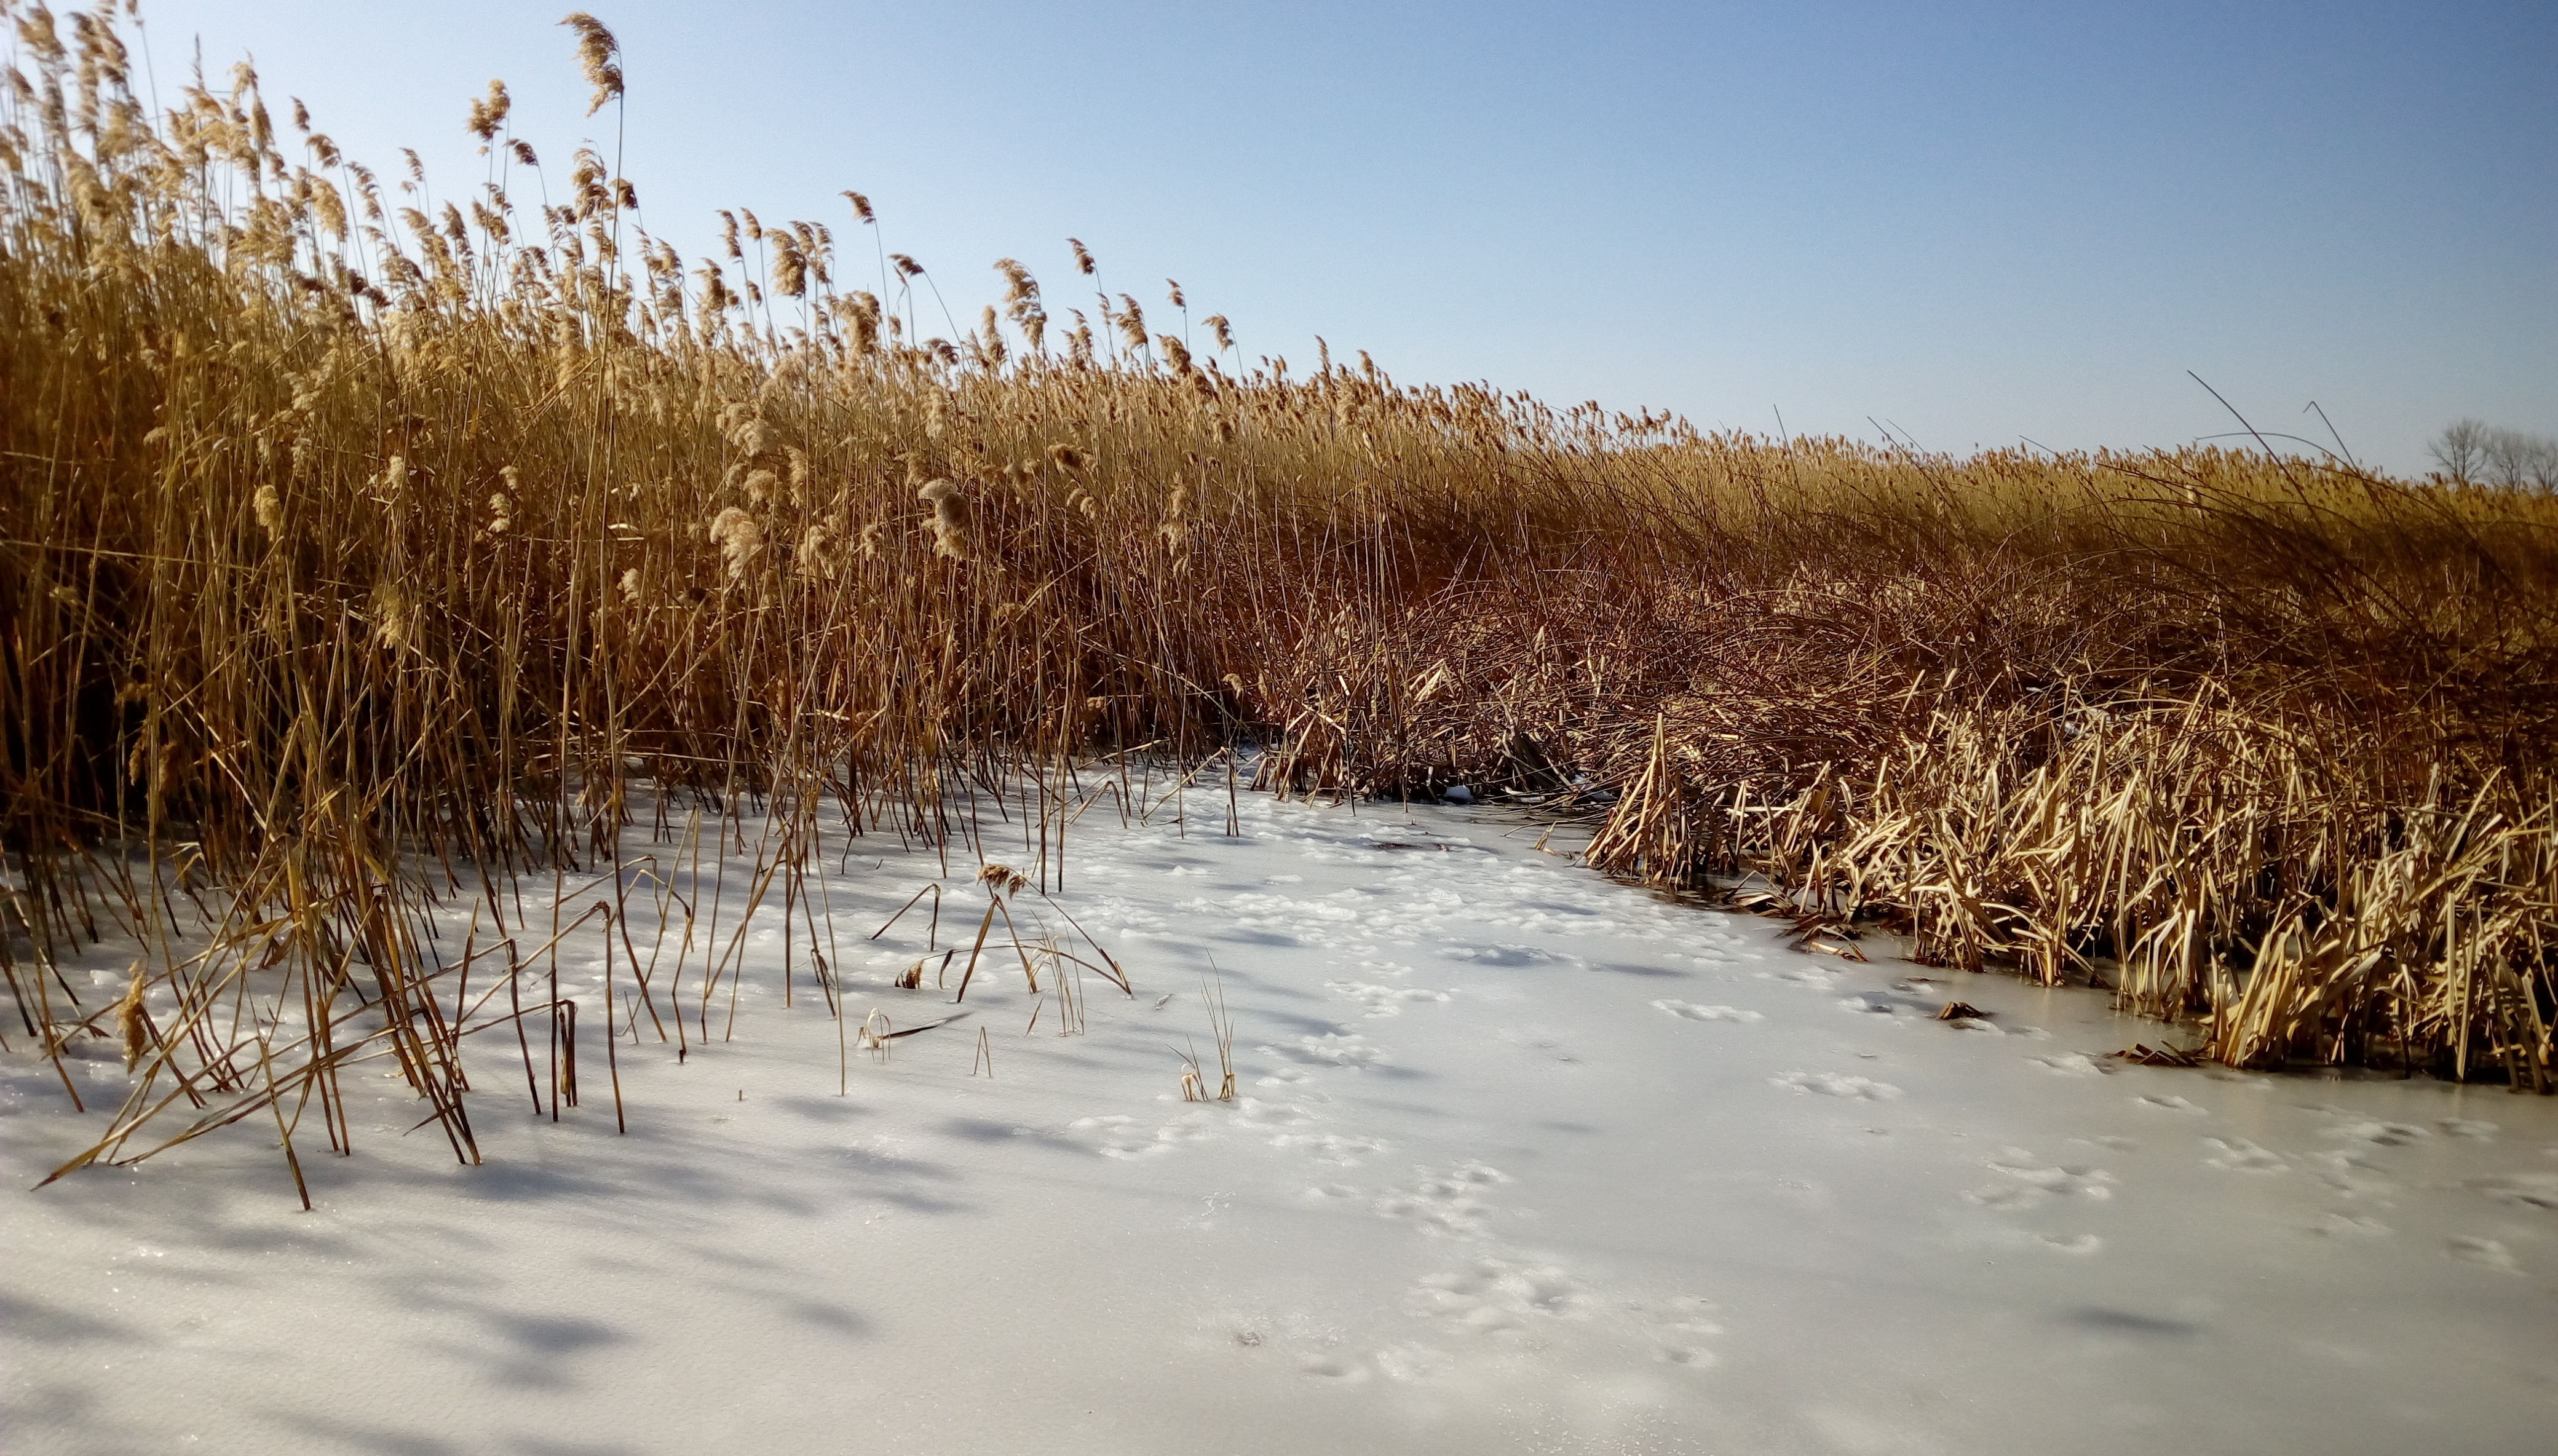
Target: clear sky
{"x": 1972, "y": 224}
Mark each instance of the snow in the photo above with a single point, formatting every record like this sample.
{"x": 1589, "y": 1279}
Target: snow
{"x": 1520, "y": 1160}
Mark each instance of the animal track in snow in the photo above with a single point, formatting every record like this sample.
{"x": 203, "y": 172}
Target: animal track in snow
{"x": 2378, "y": 1134}
{"x": 2522, "y": 1190}
{"x": 1678, "y": 1328}
{"x": 1118, "y": 1136}
{"x": 1511, "y": 1036}
{"x": 1834, "y": 1085}
{"x": 1333, "y": 1366}
{"x": 1876, "y": 1003}
{"x": 2172, "y": 1103}
{"x": 1446, "y": 1204}
{"x": 1694, "y": 1012}
{"x": 2346, "y": 1225}
{"x": 1331, "y": 1049}
{"x": 2349, "y": 1175}
{"x": 1414, "y": 1363}
{"x": 2238, "y": 1155}
{"x": 2467, "y": 1127}
{"x": 1498, "y": 1296}
{"x": 1256, "y": 1114}
{"x": 2071, "y": 1063}
{"x": 2485, "y": 1252}
{"x": 1680, "y": 1333}
{"x": 1522, "y": 1297}
{"x": 2035, "y": 1184}
{"x": 1382, "y": 1001}
{"x": 1502, "y": 954}
{"x": 1330, "y": 1147}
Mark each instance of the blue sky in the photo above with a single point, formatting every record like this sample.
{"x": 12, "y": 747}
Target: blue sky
{"x": 1973, "y": 223}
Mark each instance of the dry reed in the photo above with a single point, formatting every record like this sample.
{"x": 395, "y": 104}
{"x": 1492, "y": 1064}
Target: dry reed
{"x": 351, "y": 558}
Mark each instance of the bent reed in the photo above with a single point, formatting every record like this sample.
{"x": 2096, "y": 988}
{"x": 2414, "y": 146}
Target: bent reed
{"x": 353, "y": 554}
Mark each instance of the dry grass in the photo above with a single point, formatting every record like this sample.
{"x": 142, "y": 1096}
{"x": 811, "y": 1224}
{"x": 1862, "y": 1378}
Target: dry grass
{"x": 354, "y": 557}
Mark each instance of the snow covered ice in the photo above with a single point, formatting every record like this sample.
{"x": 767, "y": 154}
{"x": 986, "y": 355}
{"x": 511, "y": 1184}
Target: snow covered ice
{"x": 1520, "y": 1160}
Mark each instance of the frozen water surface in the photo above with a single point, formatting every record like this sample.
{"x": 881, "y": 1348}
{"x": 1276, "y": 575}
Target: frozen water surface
{"x": 1520, "y": 1160}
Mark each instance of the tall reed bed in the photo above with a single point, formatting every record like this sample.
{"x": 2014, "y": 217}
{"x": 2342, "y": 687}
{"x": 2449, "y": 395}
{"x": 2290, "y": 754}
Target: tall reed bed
{"x": 354, "y": 557}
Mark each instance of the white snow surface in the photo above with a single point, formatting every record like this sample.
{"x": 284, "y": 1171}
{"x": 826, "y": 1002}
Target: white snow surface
{"x": 1520, "y": 1160}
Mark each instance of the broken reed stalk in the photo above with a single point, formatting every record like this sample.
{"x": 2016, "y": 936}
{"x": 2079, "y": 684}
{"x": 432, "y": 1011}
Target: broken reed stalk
{"x": 352, "y": 558}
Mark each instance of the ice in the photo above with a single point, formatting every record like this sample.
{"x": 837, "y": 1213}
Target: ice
{"x": 1518, "y": 1160}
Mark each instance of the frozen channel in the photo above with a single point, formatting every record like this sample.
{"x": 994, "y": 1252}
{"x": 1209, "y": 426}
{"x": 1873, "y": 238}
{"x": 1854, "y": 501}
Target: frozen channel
{"x": 1520, "y": 1160}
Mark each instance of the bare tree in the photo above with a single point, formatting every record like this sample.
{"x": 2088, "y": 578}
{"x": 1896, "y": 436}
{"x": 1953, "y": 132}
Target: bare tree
{"x": 2461, "y": 448}
{"x": 2474, "y": 451}
{"x": 2515, "y": 460}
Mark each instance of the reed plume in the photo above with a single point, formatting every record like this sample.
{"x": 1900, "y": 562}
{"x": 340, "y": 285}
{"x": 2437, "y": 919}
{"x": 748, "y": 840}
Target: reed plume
{"x": 949, "y": 519}
{"x": 740, "y": 539}
{"x": 599, "y": 57}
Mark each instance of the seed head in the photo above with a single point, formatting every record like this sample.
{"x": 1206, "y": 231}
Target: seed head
{"x": 134, "y": 1021}
{"x": 390, "y": 616}
{"x": 486, "y": 115}
{"x": 599, "y": 55}
{"x": 738, "y": 538}
{"x": 949, "y": 519}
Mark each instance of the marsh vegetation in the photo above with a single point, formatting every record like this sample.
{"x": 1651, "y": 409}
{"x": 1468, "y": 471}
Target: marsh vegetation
{"x": 355, "y": 556}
